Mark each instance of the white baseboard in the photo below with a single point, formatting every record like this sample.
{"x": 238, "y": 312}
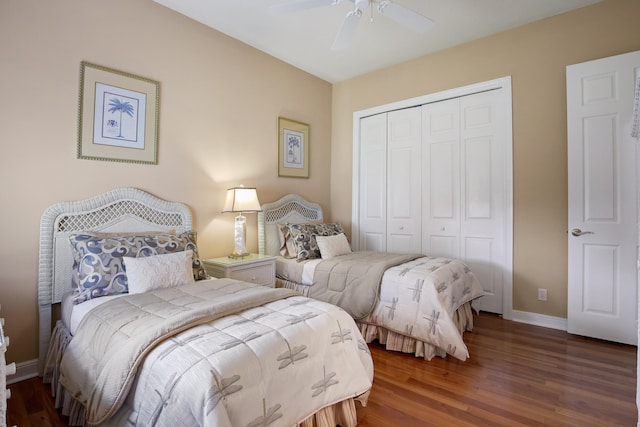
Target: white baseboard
{"x": 539, "y": 320}
{"x": 24, "y": 371}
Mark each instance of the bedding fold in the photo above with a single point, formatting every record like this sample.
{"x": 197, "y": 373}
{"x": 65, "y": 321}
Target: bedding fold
{"x": 352, "y": 281}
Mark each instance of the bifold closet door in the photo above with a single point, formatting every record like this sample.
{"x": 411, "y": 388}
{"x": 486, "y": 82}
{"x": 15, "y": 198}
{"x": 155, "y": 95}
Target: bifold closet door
{"x": 389, "y": 182}
{"x": 441, "y": 178}
{"x": 404, "y": 188}
{"x": 432, "y": 180}
{"x": 372, "y": 183}
{"x": 463, "y": 188}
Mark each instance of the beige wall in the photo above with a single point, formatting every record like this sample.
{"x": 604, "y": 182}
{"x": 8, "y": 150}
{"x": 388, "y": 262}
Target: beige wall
{"x": 535, "y": 56}
{"x": 219, "y": 104}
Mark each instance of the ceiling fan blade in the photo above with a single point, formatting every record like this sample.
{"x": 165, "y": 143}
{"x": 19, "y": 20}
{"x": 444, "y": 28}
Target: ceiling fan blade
{"x": 403, "y": 16}
{"x": 295, "y": 6}
{"x": 346, "y": 30}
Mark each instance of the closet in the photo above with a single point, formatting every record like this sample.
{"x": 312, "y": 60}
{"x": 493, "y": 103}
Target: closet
{"x": 435, "y": 178}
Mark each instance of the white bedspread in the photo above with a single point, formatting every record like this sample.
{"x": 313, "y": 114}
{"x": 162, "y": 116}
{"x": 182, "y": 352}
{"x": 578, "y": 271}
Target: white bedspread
{"x": 274, "y": 364}
{"x": 419, "y": 298}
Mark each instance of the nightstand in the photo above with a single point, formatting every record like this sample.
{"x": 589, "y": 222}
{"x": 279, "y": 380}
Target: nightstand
{"x": 253, "y": 268}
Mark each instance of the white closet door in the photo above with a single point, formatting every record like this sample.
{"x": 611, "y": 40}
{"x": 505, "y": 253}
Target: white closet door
{"x": 372, "y": 234}
{"x": 464, "y": 188}
{"x": 483, "y": 194}
{"x": 443, "y": 186}
{"x": 441, "y": 178}
{"x": 404, "y": 181}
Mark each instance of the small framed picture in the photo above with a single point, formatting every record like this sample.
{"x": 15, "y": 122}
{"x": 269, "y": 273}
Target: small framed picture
{"x": 293, "y": 148}
{"x": 118, "y": 116}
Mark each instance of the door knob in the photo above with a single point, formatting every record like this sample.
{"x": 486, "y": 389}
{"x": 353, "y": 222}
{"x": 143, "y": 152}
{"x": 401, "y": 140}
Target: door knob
{"x": 577, "y": 232}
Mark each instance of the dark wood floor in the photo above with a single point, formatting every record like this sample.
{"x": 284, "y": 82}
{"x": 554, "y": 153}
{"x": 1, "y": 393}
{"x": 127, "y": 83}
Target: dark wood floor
{"x": 517, "y": 375}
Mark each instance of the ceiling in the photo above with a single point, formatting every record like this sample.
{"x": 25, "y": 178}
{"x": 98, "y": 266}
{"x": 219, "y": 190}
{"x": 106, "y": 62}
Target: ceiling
{"x": 304, "y": 38}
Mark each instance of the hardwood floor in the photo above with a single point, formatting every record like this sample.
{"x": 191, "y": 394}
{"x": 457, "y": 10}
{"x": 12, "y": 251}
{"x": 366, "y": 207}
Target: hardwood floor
{"x": 517, "y": 375}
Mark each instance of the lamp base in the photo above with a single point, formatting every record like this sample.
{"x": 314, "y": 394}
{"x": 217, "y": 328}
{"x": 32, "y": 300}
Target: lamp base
{"x": 239, "y": 256}
{"x": 239, "y": 233}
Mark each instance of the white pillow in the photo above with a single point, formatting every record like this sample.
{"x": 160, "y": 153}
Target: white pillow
{"x": 331, "y": 246}
{"x": 159, "y": 271}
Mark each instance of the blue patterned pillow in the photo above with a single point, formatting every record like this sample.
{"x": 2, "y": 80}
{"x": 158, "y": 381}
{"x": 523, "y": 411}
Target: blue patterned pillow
{"x": 304, "y": 238}
{"x": 98, "y": 260}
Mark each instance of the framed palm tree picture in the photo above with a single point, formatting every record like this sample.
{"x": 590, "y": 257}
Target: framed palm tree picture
{"x": 293, "y": 148}
{"x": 118, "y": 116}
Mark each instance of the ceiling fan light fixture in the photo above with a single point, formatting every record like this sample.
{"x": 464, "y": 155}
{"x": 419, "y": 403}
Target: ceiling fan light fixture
{"x": 400, "y": 14}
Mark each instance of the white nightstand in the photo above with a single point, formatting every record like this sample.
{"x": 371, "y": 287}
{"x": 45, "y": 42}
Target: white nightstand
{"x": 253, "y": 268}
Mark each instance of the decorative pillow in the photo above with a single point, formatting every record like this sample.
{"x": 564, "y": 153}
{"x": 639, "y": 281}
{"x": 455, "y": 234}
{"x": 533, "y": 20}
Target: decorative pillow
{"x": 102, "y": 234}
{"x": 304, "y": 238}
{"x": 99, "y": 266}
{"x": 331, "y": 246}
{"x": 159, "y": 271}
{"x": 287, "y": 247}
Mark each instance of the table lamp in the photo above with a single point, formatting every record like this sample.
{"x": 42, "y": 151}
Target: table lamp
{"x": 240, "y": 200}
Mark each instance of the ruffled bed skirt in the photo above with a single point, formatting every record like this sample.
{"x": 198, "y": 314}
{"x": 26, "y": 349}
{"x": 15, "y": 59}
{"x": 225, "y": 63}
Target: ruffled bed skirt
{"x": 70, "y": 407}
{"x": 342, "y": 413}
{"x": 463, "y": 319}
{"x": 303, "y": 289}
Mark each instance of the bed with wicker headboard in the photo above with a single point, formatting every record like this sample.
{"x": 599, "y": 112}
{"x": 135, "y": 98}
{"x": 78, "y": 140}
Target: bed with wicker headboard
{"x": 203, "y": 351}
{"x": 119, "y": 211}
{"x": 419, "y": 305}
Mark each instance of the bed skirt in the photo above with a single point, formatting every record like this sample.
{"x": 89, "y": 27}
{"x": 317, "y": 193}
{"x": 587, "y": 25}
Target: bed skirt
{"x": 463, "y": 319}
{"x": 342, "y": 413}
{"x": 394, "y": 341}
{"x": 303, "y": 289}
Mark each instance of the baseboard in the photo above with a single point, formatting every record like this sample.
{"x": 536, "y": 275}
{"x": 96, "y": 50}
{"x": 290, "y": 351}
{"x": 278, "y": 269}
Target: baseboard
{"x": 24, "y": 371}
{"x": 539, "y": 320}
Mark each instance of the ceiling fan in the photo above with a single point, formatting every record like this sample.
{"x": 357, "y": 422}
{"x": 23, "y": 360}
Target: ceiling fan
{"x": 402, "y": 15}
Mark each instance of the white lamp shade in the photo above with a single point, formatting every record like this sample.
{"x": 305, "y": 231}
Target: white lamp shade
{"x": 241, "y": 199}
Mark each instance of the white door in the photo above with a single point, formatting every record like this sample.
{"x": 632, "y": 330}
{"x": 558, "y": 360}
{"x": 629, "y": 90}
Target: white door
{"x": 389, "y": 184}
{"x": 602, "y": 222}
{"x": 465, "y": 188}
{"x": 483, "y": 194}
{"x": 441, "y": 178}
{"x": 403, "y": 181}
{"x": 372, "y": 183}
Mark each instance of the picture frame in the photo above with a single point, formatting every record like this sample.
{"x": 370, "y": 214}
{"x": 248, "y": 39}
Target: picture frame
{"x": 117, "y": 116}
{"x": 293, "y": 148}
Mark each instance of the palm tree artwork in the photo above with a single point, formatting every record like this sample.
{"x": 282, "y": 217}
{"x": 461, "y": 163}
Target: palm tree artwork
{"x": 117, "y": 106}
{"x": 293, "y": 149}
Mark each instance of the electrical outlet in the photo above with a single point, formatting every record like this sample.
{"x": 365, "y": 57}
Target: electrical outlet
{"x": 542, "y": 294}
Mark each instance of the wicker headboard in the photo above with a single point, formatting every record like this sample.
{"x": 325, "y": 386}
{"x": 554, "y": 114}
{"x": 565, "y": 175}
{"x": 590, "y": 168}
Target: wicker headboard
{"x": 122, "y": 210}
{"x": 290, "y": 209}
